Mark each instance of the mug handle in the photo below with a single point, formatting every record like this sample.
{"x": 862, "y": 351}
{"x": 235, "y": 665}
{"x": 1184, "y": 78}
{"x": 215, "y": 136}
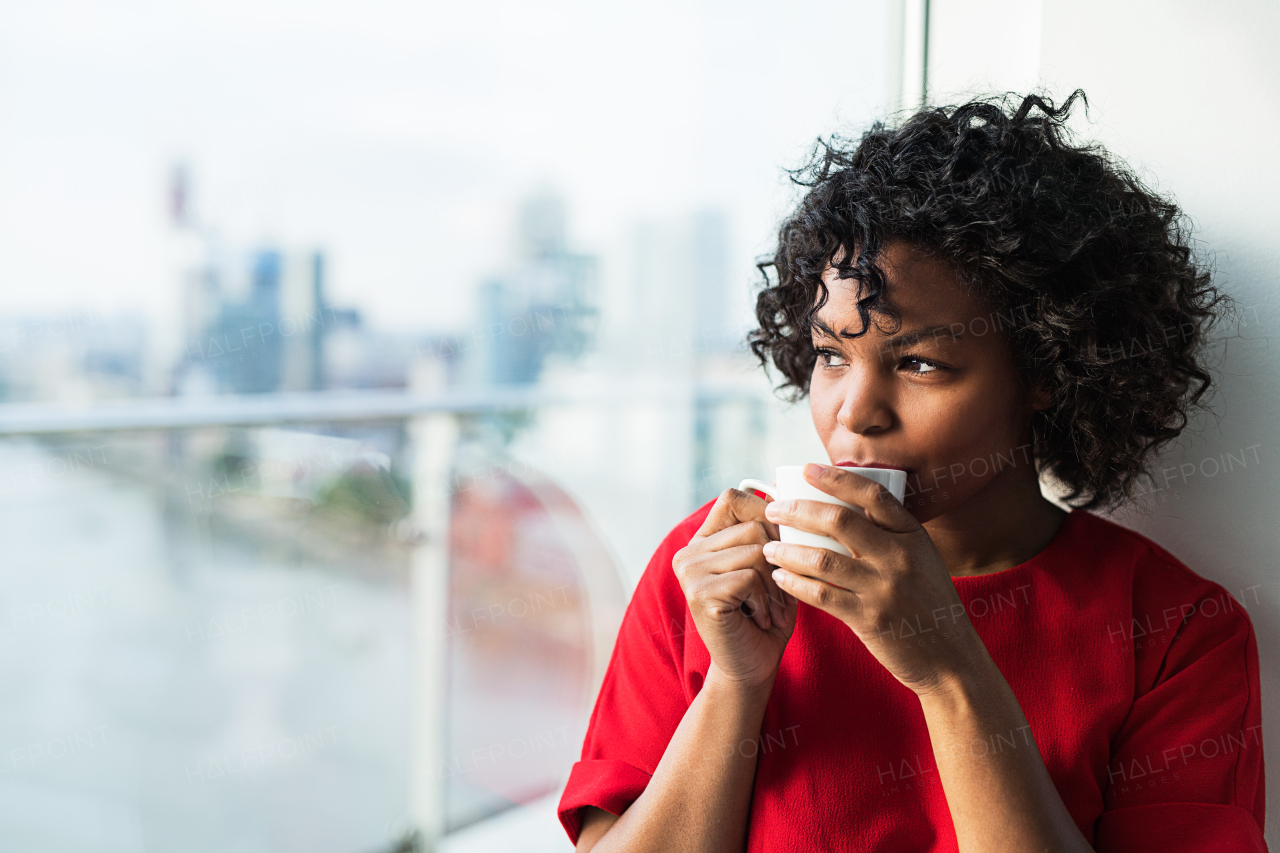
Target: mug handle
{"x": 760, "y": 486}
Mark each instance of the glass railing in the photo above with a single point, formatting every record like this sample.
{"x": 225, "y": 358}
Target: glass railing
{"x": 357, "y": 622}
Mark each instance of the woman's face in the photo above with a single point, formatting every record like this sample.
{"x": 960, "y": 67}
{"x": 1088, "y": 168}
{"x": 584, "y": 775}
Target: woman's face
{"x": 938, "y": 398}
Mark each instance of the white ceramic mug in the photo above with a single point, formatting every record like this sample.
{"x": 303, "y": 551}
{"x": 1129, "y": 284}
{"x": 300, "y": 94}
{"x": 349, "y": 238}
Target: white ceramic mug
{"x": 791, "y": 485}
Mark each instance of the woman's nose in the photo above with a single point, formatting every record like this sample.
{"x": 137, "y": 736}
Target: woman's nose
{"x": 864, "y": 408}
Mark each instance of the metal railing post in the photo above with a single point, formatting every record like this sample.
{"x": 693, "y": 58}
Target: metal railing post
{"x": 435, "y": 439}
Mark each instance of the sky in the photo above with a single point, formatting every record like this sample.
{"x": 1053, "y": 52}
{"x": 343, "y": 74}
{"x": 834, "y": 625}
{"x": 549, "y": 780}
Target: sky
{"x": 399, "y": 137}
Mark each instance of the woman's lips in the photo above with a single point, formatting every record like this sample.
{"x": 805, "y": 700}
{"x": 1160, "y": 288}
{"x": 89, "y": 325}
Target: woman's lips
{"x": 849, "y": 464}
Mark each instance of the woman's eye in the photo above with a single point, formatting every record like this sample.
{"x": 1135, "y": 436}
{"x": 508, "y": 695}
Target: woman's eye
{"x": 918, "y": 365}
{"x": 830, "y": 358}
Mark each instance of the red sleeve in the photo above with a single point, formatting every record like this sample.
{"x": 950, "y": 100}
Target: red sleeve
{"x": 1186, "y": 770}
{"x": 644, "y": 694}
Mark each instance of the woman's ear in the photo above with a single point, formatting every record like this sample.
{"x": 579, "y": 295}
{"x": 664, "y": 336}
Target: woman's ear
{"x": 1038, "y": 396}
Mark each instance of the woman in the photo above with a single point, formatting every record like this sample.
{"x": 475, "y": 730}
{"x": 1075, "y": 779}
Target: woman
{"x": 972, "y": 298}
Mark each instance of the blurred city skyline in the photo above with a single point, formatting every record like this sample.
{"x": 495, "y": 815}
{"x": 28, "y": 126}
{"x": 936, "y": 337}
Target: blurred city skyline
{"x": 398, "y": 140}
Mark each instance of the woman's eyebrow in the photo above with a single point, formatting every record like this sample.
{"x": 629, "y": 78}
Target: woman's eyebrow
{"x": 906, "y": 339}
{"x": 826, "y": 331}
{"x": 917, "y": 335}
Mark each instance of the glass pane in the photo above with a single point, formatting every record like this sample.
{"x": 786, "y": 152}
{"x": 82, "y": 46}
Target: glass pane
{"x": 207, "y": 637}
{"x": 214, "y": 633}
{"x": 520, "y": 642}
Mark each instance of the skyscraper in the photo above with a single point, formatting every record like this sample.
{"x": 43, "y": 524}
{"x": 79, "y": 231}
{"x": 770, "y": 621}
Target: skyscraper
{"x": 543, "y": 306}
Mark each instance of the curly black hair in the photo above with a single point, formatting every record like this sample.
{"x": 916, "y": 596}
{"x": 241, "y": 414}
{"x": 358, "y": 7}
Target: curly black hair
{"x": 1114, "y": 310}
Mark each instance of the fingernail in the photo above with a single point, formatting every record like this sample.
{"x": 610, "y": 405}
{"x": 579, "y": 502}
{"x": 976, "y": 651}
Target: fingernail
{"x": 778, "y": 575}
{"x": 777, "y": 509}
{"x": 814, "y": 470}
{"x": 769, "y": 549}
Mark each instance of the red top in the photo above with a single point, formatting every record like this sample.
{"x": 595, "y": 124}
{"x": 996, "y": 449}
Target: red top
{"x": 1139, "y": 680}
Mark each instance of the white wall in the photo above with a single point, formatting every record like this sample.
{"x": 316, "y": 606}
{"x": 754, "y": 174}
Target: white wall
{"x": 977, "y": 46}
{"x": 1189, "y": 92}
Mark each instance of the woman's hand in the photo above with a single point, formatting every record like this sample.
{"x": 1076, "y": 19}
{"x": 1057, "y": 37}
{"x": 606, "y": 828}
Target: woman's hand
{"x": 894, "y": 592}
{"x": 722, "y": 569}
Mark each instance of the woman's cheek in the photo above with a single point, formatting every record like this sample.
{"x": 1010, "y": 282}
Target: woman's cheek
{"x": 923, "y": 501}
{"x": 925, "y": 495}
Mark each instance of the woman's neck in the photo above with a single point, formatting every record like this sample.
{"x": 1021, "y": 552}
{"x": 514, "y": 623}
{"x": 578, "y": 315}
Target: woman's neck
{"x": 1005, "y": 524}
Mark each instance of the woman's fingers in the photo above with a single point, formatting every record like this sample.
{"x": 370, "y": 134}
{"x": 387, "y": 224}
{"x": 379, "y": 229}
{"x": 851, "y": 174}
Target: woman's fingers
{"x": 744, "y": 533}
{"x": 740, "y": 613}
{"x": 837, "y": 601}
{"x": 734, "y": 507}
{"x": 821, "y": 564}
{"x": 722, "y": 594}
{"x": 846, "y": 526}
{"x": 882, "y": 508}
{"x": 757, "y": 534}
{"x": 736, "y": 558}
{"x": 821, "y": 578}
